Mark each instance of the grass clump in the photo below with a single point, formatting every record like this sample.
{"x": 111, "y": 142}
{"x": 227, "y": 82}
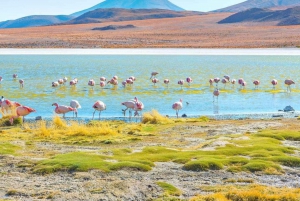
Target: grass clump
{"x": 169, "y": 190}
{"x": 260, "y": 166}
{"x": 8, "y": 149}
{"x": 203, "y": 165}
{"x": 5, "y": 121}
{"x": 281, "y": 134}
{"x": 154, "y": 117}
{"x": 249, "y": 193}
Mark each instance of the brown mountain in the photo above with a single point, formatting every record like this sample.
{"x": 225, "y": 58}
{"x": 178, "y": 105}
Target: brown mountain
{"x": 290, "y": 16}
{"x": 118, "y": 14}
{"x": 259, "y": 4}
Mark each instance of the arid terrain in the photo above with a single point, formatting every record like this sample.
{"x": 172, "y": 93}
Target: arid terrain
{"x": 196, "y": 159}
{"x": 184, "y": 32}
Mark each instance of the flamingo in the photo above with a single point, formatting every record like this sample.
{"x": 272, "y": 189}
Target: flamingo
{"x": 227, "y": 77}
{"x": 55, "y": 84}
{"x": 7, "y": 105}
{"x": 21, "y": 111}
{"x": 61, "y": 81}
{"x": 189, "y": 80}
{"x": 211, "y": 81}
{"x": 216, "y": 93}
{"x": 139, "y": 106}
{"x": 244, "y": 84}
{"x": 256, "y": 83}
{"x": 180, "y": 82}
{"x": 132, "y": 78}
{"x": 154, "y": 81}
{"x": 62, "y": 109}
{"x": 274, "y": 83}
{"x": 135, "y": 105}
{"x": 129, "y": 81}
{"x": 153, "y": 75}
{"x": 240, "y": 81}
{"x": 1, "y": 79}
{"x": 73, "y": 82}
{"x": 75, "y": 105}
{"x": 233, "y": 81}
{"x": 65, "y": 79}
{"x": 91, "y": 83}
{"x": 225, "y": 81}
{"x": 115, "y": 77}
{"x": 124, "y": 83}
{"x": 103, "y": 79}
{"x": 102, "y": 84}
{"x": 113, "y": 82}
{"x": 99, "y": 106}
{"x": 21, "y": 83}
{"x": 177, "y": 106}
{"x": 289, "y": 82}
{"x": 216, "y": 80}
{"x": 15, "y": 76}
{"x": 167, "y": 81}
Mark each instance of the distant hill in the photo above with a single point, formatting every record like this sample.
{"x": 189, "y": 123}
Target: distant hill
{"x": 259, "y": 4}
{"x": 290, "y": 16}
{"x": 35, "y": 20}
{"x": 118, "y": 14}
{"x": 132, "y": 4}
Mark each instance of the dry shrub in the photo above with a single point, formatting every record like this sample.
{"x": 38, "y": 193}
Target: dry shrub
{"x": 154, "y": 117}
{"x": 59, "y": 123}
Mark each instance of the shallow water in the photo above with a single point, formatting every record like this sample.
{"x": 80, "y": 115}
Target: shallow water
{"x": 40, "y": 71}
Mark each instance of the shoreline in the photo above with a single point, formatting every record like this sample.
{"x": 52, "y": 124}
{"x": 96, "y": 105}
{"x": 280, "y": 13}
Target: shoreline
{"x": 157, "y": 51}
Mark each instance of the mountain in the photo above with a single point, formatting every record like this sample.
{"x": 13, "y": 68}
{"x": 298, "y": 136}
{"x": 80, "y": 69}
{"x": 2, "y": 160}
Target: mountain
{"x": 290, "y": 16}
{"x": 119, "y": 14}
{"x": 259, "y": 4}
{"x": 35, "y": 20}
{"x": 133, "y": 4}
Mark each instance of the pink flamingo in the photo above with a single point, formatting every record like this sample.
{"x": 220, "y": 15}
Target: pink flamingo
{"x": 75, "y": 105}
{"x": 62, "y": 109}
{"x": 240, "y": 81}
{"x": 217, "y": 80}
{"x": 103, "y": 79}
{"x": 155, "y": 80}
{"x": 216, "y": 93}
{"x": 139, "y": 106}
{"x": 55, "y": 84}
{"x": 21, "y": 83}
{"x": 99, "y": 106}
{"x": 180, "y": 82}
{"x": 153, "y": 75}
{"x": 189, "y": 80}
{"x": 132, "y": 78}
{"x": 129, "y": 81}
{"x": 211, "y": 81}
{"x": 167, "y": 81}
{"x": 22, "y": 111}
{"x": 1, "y": 79}
{"x": 7, "y": 105}
{"x": 73, "y": 82}
{"x": 274, "y": 83}
{"x": 289, "y": 82}
{"x": 135, "y": 105}
{"x": 177, "y": 106}
{"x": 244, "y": 84}
{"x": 91, "y": 83}
{"x": 61, "y": 81}
{"x": 124, "y": 83}
{"x": 115, "y": 77}
{"x": 225, "y": 81}
{"x": 256, "y": 83}
{"x": 102, "y": 84}
{"x": 113, "y": 82}
{"x": 227, "y": 77}
{"x": 15, "y": 76}
{"x": 233, "y": 81}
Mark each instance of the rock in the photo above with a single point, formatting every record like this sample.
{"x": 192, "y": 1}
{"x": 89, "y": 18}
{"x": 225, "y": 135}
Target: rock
{"x": 39, "y": 118}
{"x": 184, "y": 115}
{"x": 289, "y": 109}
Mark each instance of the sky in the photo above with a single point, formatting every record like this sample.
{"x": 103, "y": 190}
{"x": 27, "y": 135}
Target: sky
{"x": 13, "y": 9}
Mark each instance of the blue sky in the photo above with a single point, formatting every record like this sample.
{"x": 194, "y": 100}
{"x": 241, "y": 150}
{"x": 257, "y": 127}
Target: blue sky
{"x": 12, "y": 9}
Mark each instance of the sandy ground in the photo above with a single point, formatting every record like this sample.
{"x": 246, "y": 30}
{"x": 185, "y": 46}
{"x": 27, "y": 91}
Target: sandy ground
{"x": 134, "y": 185}
{"x": 186, "y": 32}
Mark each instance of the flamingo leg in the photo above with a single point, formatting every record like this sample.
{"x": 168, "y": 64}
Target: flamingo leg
{"x": 64, "y": 115}
{"x": 99, "y": 115}
{"x": 124, "y": 111}
{"x": 130, "y": 114}
{"x": 177, "y": 113}
{"x": 76, "y": 113}
{"x": 94, "y": 114}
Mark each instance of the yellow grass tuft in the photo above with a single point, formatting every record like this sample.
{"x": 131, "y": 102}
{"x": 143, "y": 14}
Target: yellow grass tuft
{"x": 59, "y": 123}
{"x": 154, "y": 117}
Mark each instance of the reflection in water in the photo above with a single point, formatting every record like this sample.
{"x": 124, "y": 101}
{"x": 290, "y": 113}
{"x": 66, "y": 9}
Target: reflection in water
{"x": 216, "y": 108}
